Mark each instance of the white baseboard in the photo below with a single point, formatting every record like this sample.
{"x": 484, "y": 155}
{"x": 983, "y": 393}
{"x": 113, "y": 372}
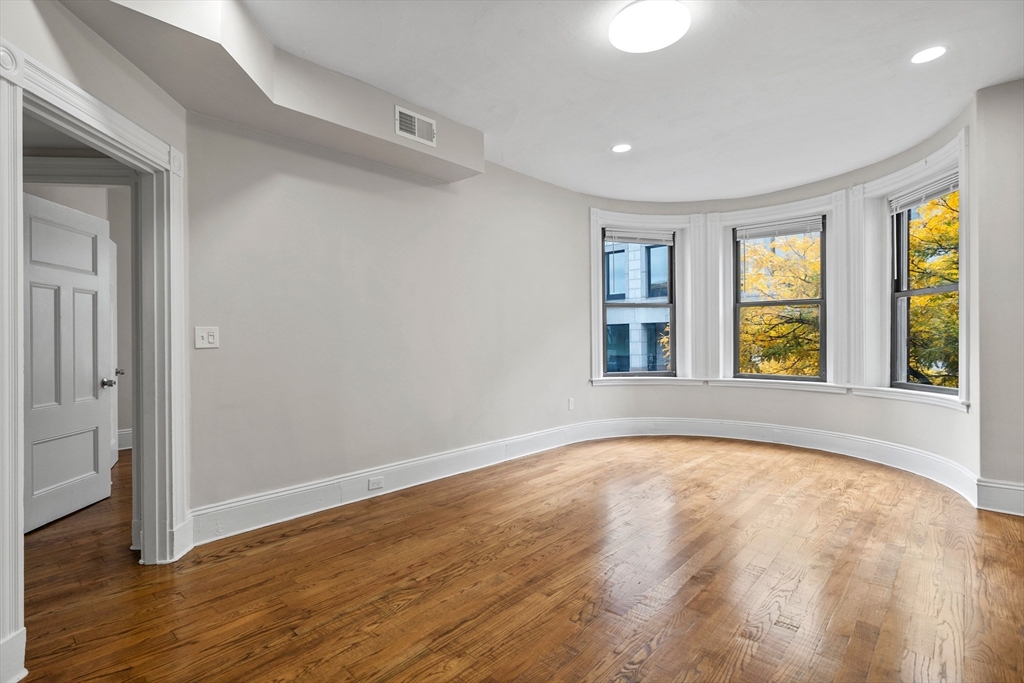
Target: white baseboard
{"x": 181, "y": 541}
{"x": 12, "y": 657}
{"x": 124, "y": 438}
{"x": 220, "y": 520}
{"x": 1001, "y": 496}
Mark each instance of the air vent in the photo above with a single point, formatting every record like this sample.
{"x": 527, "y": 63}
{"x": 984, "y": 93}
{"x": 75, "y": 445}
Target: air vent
{"x": 411, "y": 125}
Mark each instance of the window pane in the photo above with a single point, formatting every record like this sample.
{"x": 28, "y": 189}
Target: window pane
{"x": 780, "y": 268}
{"x": 657, "y": 272}
{"x": 615, "y": 271}
{"x": 780, "y": 340}
{"x": 657, "y": 346}
{"x": 933, "y": 242}
{"x": 629, "y": 269}
{"x": 933, "y": 338}
{"x": 617, "y": 348}
{"x": 637, "y": 339}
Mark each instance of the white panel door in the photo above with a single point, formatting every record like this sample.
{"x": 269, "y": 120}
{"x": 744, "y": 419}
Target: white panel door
{"x": 67, "y": 360}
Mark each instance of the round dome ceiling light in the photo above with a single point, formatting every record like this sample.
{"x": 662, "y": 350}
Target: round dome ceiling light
{"x": 619, "y": 149}
{"x": 649, "y": 25}
{"x": 928, "y": 55}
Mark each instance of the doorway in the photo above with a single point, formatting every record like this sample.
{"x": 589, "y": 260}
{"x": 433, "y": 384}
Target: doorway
{"x": 47, "y": 153}
{"x": 160, "y": 424}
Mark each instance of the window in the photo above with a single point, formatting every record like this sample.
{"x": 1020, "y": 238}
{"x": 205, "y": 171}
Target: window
{"x": 615, "y": 274}
{"x": 638, "y": 310}
{"x": 656, "y": 339}
{"x": 779, "y": 314}
{"x": 926, "y": 288}
{"x": 657, "y": 271}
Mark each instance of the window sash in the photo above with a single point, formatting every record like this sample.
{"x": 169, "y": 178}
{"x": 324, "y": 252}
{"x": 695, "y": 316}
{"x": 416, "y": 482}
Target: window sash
{"x": 899, "y": 334}
{"x": 649, "y": 238}
{"x": 780, "y": 229}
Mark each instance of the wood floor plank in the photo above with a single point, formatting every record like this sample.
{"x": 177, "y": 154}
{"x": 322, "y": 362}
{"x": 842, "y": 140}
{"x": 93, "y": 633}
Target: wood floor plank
{"x": 643, "y": 559}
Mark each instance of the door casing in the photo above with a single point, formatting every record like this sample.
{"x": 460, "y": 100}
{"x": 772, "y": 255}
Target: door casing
{"x": 160, "y": 452}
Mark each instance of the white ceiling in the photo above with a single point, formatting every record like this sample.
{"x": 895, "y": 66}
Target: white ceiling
{"x": 758, "y": 96}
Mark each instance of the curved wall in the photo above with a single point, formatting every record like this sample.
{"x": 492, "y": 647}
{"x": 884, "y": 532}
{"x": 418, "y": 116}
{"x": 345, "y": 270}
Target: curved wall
{"x": 368, "y": 318}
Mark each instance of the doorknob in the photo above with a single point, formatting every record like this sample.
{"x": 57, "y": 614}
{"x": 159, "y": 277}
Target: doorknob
{"x": 118, "y": 372}
{"x": 107, "y": 383}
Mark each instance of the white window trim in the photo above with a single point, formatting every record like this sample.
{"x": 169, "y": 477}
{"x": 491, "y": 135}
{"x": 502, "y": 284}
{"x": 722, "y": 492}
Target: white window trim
{"x": 871, "y": 258}
{"x": 857, "y": 297}
{"x": 721, "y": 253}
{"x": 684, "y": 279}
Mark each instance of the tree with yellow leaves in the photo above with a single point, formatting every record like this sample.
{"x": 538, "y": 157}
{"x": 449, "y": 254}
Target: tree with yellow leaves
{"x": 933, "y": 317}
{"x": 778, "y": 334}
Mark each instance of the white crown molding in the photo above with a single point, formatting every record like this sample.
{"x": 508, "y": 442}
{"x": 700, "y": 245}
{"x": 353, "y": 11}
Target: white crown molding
{"x": 1001, "y": 496}
{"x": 221, "y": 520}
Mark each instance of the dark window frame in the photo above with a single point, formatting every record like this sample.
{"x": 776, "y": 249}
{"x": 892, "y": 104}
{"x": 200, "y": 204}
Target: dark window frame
{"x": 608, "y": 296}
{"x": 647, "y": 263}
{"x": 900, "y": 290}
{"x": 738, "y": 305}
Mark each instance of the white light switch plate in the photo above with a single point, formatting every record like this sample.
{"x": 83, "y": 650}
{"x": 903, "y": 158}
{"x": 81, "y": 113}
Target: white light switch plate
{"x": 207, "y": 337}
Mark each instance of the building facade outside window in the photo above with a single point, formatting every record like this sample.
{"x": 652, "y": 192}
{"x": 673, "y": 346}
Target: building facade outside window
{"x": 779, "y": 314}
{"x": 926, "y": 288}
{"x": 638, "y": 310}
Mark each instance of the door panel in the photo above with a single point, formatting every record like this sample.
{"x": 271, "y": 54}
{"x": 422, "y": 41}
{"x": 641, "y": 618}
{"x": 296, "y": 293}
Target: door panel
{"x": 86, "y": 372}
{"x": 68, "y": 413}
{"x": 44, "y": 353}
{"x": 62, "y": 246}
{"x": 64, "y": 459}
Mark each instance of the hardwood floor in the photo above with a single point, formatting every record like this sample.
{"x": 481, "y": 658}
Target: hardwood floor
{"x": 654, "y": 559}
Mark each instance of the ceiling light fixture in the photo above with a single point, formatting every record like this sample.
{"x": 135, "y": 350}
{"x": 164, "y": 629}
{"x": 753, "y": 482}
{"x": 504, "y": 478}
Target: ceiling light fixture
{"x": 928, "y": 55}
{"x": 649, "y": 25}
{"x": 619, "y": 149}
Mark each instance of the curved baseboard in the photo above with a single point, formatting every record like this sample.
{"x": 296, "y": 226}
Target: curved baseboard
{"x": 220, "y": 520}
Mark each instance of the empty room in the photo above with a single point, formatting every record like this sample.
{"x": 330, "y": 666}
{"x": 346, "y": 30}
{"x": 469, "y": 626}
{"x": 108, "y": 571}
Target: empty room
{"x": 511, "y": 341}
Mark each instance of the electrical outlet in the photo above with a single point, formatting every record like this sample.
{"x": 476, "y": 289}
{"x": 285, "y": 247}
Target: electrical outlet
{"x": 375, "y": 483}
{"x": 572, "y": 403}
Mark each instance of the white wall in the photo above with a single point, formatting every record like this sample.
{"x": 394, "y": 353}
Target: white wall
{"x": 1000, "y": 227}
{"x": 368, "y": 317}
{"x": 46, "y": 30}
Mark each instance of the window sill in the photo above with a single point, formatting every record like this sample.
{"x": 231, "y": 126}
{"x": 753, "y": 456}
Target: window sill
{"x": 820, "y": 387}
{"x": 648, "y": 381}
{"x": 944, "y": 401}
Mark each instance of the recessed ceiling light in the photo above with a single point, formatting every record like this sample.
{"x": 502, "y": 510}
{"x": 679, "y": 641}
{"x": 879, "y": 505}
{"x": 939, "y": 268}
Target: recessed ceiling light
{"x": 928, "y": 55}
{"x": 649, "y": 25}
{"x": 619, "y": 149}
